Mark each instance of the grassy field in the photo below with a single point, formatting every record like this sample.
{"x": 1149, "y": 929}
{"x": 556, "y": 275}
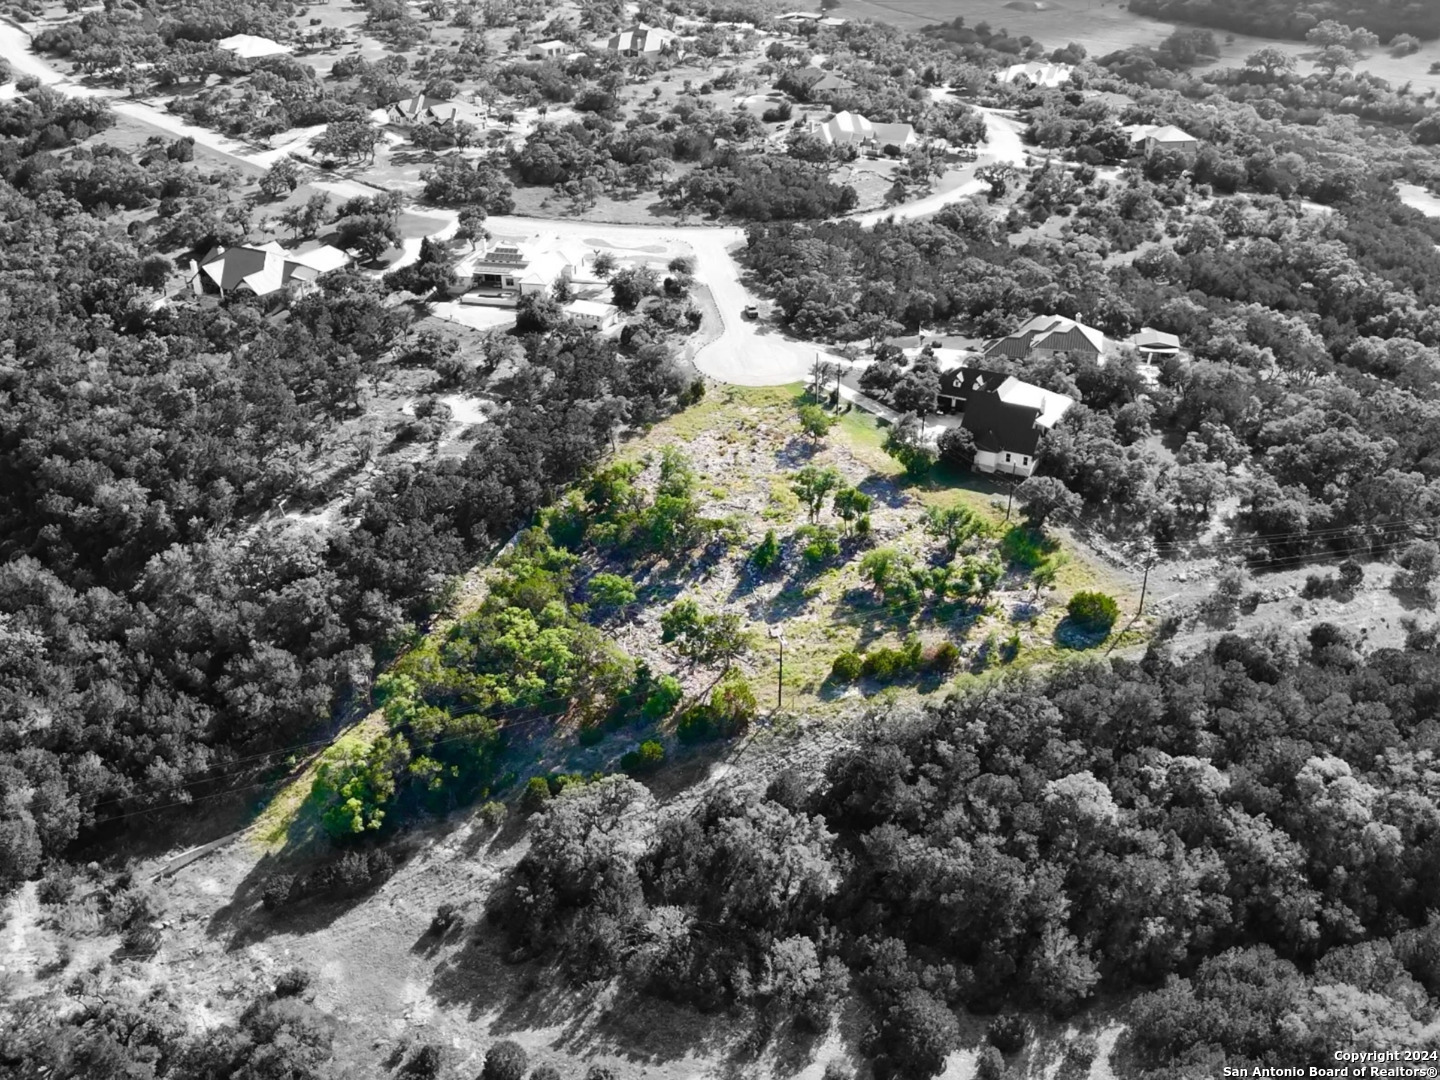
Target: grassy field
{"x": 1105, "y": 26}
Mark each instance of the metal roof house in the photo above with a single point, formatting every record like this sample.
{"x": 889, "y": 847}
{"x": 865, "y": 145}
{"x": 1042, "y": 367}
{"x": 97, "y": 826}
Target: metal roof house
{"x": 1006, "y": 416}
{"x": 1049, "y": 334}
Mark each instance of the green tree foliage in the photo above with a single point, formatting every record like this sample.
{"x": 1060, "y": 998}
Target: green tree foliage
{"x": 1009, "y": 847}
{"x": 956, "y": 526}
{"x": 906, "y": 443}
{"x": 1093, "y": 610}
{"x": 1044, "y": 497}
{"x": 816, "y": 422}
{"x": 704, "y": 637}
{"x": 767, "y": 553}
{"x": 612, "y": 591}
{"x": 851, "y": 505}
{"x": 813, "y": 484}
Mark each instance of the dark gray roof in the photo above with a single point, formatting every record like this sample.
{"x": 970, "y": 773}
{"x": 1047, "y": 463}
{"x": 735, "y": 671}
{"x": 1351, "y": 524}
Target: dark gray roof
{"x": 1000, "y": 427}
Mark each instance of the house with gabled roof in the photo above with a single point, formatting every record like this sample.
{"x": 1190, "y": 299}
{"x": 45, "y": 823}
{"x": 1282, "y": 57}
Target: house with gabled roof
{"x": 1046, "y": 335}
{"x": 812, "y": 83}
{"x": 265, "y": 268}
{"x": 423, "y": 109}
{"x": 852, "y": 129}
{"x": 1148, "y": 138}
{"x": 251, "y": 47}
{"x": 642, "y": 41}
{"x": 1006, "y": 416}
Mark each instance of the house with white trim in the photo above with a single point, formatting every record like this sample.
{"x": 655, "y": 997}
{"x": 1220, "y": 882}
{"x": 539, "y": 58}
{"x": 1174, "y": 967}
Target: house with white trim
{"x": 1148, "y": 138}
{"x": 251, "y": 47}
{"x": 642, "y": 41}
{"x": 593, "y": 314}
{"x": 1006, "y": 417}
{"x": 265, "y": 268}
{"x": 852, "y": 129}
{"x": 1046, "y": 335}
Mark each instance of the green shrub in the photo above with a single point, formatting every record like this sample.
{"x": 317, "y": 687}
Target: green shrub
{"x": 664, "y": 695}
{"x": 537, "y": 794}
{"x": 590, "y": 734}
{"x": 695, "y": 724}
{"x": 1093, "y": 610}
{"x": 847, "y": 667}
{"x": 1011, "y": 648}
{"x": 821, "y": 544}
{"x": 733, "y": 706}
{"x": 886, "y": 664}
{"x": 494, "y": 813}
{"x": 946, "y": 657}
{"x": 1022, "y": 546}
{"x": 649, "y": 757}
{"x": 862, "y": 525}
{"x": 766, "y": 553}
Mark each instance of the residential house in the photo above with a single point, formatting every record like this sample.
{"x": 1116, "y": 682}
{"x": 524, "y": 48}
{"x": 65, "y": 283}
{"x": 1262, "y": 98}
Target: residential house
{"x": 515, "y": 268}
{"x": 1155, "y": 345}
{"x": 809, "y": 18}
{"x": 250, "y": 47}
{"x": 1006, "y": 417}
{"x": 812, "y": 83}
{"x": 1037, "y": 74}
{"x": 1149, "y": 138}
{"x": 547, "y": 50}
{"x": 852, "y": 129}
{"x": 1046, "y": 335}
{"x": 422, "y": 109}
{"x": 593, "y": 314}
{"x": 643, "y": 41}
{"x": 264, "y": 269}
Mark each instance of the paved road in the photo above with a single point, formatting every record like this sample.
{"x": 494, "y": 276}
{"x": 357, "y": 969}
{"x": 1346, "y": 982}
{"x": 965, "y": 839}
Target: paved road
{"x": 746, "y": 353}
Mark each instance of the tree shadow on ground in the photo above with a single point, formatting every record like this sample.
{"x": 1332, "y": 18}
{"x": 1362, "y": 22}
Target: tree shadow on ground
{"x": 1078, "y": 637}
{"x": 484, "y": 981}
{"x": 244, "y": 920}
{"x": 884, "y": 490}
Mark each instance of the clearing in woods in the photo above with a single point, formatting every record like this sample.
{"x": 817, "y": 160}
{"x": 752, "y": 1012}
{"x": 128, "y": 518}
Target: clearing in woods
{"x": 746, "y": 446}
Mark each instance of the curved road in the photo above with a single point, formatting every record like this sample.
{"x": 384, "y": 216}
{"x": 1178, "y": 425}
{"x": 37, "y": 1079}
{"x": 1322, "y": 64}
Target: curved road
{"x": 746, "y": 353}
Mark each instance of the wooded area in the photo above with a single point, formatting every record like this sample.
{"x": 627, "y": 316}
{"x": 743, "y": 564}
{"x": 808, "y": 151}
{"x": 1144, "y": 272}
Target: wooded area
{"x": 161, "y": 626}
{"x": 1250, "y": 832}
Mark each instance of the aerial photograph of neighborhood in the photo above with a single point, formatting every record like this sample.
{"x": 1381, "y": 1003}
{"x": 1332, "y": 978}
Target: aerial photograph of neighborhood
{"x": 695, "y": 540}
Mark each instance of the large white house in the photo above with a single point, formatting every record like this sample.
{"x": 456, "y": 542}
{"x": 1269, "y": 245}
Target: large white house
{"x": 547, "y": 50}
{"x": 642, "y": 41}
{"x": 424, "y": 110}
{"x": 517, "y": 268}
{"x": 265, "y": 268}
{"x": 852, "y": 129}
{"x": 250, "y": 47}
{"x": 1037, "y": 74}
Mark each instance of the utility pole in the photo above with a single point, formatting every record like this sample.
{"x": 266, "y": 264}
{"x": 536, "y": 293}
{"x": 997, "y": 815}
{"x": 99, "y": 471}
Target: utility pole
{"x": 1147, "y": 556}
{"x": 1010, "y": 498}
{"x": 779, "y": 635}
